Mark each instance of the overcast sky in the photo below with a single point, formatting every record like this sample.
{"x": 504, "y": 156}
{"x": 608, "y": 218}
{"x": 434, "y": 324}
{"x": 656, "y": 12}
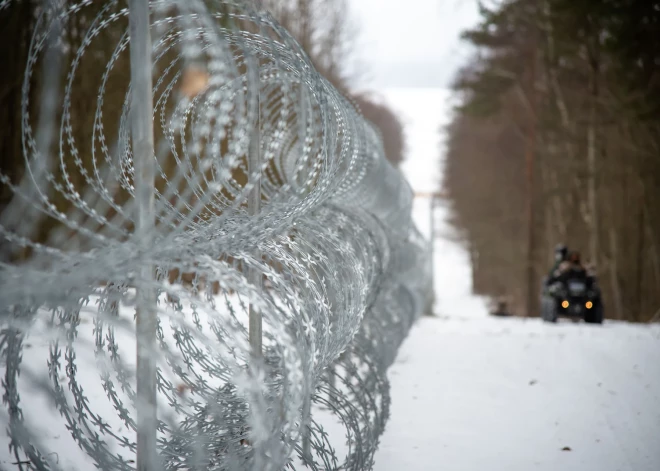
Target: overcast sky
{"x": 411, "y": 43}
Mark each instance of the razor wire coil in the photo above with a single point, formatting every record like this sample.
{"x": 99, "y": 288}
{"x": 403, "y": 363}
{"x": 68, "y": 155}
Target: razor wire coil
{"x": 341, "y": 270}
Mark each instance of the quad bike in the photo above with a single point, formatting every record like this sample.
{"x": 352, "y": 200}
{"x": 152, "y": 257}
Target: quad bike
{"x": 576, "y": 297}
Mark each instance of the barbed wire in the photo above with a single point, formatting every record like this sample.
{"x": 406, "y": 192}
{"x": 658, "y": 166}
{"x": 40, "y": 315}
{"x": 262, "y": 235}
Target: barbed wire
{"x": 341, "y": 271}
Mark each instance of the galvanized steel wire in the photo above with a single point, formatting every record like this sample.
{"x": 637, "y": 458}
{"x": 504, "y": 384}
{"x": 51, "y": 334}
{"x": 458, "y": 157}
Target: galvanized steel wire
{"x": 342, "y": 272}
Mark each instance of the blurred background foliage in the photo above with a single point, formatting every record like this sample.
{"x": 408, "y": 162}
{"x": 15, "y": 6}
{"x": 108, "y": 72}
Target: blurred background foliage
{"x": 557, "y": 140}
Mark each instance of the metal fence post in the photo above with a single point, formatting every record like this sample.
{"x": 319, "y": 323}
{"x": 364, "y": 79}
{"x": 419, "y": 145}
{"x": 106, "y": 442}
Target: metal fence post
{"x": 254, "y": 205}
{"x": 307, "y": 428}
{"x": 431, "y": 255}
{"x": 143, "y": 159}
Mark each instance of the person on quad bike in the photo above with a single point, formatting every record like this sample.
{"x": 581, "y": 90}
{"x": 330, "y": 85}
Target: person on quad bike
{"x": 570, "y": 268}
{"x": 572, "y": 291}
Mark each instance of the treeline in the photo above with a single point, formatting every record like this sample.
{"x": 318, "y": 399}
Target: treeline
{"x": 557, "y": 140}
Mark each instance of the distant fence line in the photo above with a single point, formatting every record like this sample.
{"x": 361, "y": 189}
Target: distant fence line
{"x": 274, "y": 244}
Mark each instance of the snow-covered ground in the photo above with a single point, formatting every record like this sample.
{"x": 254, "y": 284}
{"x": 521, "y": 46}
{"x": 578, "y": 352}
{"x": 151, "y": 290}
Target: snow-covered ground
{"x": 471, "y": 392}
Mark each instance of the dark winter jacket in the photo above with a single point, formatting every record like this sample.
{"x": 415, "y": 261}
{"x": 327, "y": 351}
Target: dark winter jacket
{"x": 575, "y": 272}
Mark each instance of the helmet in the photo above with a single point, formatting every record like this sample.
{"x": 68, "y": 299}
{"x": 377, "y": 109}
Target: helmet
{"x": 560, "y": 252}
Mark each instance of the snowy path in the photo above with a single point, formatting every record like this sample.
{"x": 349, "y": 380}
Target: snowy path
{"x": 476, "y": 393}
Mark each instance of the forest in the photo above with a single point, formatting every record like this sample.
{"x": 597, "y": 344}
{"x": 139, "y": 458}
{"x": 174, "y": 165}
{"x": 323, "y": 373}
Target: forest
{"x": 556, "y": 140}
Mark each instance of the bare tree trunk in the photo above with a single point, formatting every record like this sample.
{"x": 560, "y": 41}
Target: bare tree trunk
{"x": 594, "y": 242}
{"x": 553, "y": 80}
{"x": 549, "y": 233}
{"x": 591, "y": 189}
{"x": 552, "y": 73}
{"x": 532, "y": 285}
{"x": 558, "y": 206}
{"x": 639, "y": 276}
{"x": 614, "y": 275}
